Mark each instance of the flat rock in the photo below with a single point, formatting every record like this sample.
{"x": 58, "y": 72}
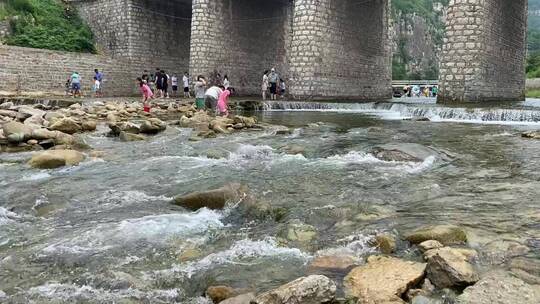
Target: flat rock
{"x": 314, "y": 289}
{"x": 428, "y": 245}
{"x": 448, "y": 267}
{"x": 66, "y": 125}
{"x": 333, "y": 262}
{"x": 56, "y": 158}
{"x": 445, "y": 234}
{"x": 212, "y": 199}
{"x": 531, "y": 134}
{"x": 383, "y": 279}
{"x": 247, "y": 298}
{"x": 127, "y": 137}
{"x": 500, "y": 287}
{"x": 296, "y": 231}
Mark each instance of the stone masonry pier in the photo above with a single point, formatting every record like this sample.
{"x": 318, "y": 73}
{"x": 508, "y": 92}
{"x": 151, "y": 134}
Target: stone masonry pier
{"x": 323, "y": 49}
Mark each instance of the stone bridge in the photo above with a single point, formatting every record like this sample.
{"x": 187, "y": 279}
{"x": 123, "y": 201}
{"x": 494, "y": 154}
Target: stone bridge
{"x": 324, "y": 49}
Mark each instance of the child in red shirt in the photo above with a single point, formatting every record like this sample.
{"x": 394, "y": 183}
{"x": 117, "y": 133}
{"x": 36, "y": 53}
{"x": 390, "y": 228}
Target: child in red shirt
{"x": 147, "y": 94}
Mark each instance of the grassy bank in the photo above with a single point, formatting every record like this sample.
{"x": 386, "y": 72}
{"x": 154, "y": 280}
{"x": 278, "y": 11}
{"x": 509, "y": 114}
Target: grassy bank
{"x": 46, "y": 24}
{"x": 533, "y": 93}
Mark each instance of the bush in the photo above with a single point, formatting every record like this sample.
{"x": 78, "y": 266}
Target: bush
{"x": 48, "y": 24}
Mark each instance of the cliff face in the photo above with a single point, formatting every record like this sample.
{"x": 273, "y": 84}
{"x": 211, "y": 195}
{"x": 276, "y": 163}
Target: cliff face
{"x": 417, "y": 34}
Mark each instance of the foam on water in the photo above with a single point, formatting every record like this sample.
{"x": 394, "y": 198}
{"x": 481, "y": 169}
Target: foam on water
{"x": 155, "y": 229}
{"x": 7, "y": 217}
{"x": 244, "y": 252}
{"x": 74, "y": 294}
{"x": 356, "y": 245}
{"x": 35, "y": 176}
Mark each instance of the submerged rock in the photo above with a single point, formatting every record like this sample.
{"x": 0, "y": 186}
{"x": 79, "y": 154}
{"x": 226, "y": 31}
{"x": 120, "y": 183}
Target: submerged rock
{"x": 385, "y": 242}
{"x": 333, "y": 262}
{"x": 56, "y": 158}
{"x": 247, "y": 298}
{"x": 445, "y": 234}
{"x": 500, "y": 288}
{"x": 447, "y": 268}
{"x": 212, "y": 199}
{"x": 526, "y": 269}
{"x": 296, "y": 231}
{"x": 127, "y": 137}
{"x": 383, "y": 279}
{"x": 405, "y": 152}
{"x": 314, "y": 289}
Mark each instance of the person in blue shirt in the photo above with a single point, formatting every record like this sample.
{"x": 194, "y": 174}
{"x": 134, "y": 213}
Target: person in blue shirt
{"x": 98, "y": 83}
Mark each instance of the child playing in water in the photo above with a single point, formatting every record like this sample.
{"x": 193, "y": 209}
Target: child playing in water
{"x": 223, "y": 102}
{"x": 147, "y": 94}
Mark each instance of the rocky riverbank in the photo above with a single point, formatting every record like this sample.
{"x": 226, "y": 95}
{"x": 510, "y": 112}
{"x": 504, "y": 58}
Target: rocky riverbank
{"x": 440, "y": 264}
{"x": 40, "y": 127}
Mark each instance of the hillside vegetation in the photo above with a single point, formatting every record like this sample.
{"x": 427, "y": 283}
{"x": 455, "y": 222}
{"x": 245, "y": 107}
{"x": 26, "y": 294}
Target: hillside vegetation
{"x": 46, "y": 24}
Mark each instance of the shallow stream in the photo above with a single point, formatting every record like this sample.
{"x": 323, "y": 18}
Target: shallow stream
{"x": 106, "y": 232}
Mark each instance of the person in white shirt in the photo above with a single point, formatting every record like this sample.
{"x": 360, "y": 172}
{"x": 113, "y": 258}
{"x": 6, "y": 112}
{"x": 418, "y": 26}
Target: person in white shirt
{"x": 185, "y": 80}
{"x": 226, "y": 82}
{"x": 174, "y": 83}
{"x": 264, "y": 86}
{"x": 211, "y": 98}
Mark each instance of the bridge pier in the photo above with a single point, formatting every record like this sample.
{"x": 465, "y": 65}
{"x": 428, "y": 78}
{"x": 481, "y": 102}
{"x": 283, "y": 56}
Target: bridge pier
{"x": 484, "y": 52}
{"x": 341, "y": 50}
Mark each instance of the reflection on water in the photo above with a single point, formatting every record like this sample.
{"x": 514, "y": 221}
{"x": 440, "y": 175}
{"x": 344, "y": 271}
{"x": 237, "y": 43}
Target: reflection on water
{"x": 105, "y": 231}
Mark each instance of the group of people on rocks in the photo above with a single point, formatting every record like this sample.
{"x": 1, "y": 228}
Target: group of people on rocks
{"x": 272, "y": 81}
{"x": 215, "y": 98}
{"x": 74, "y": 84}
{"x": 159, "y": 81}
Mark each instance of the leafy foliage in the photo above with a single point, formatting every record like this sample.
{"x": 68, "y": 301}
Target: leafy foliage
{"x": 47, "y": 24}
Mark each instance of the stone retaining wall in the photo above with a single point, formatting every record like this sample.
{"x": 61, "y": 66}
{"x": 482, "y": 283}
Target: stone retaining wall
{"x": 26, "y": 71}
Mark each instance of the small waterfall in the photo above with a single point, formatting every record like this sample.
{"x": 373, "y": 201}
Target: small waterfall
{"x": 404, "y": 111}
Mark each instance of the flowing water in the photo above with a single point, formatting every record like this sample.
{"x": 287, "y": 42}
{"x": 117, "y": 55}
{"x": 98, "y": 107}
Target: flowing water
{"x": 105, "y": 231}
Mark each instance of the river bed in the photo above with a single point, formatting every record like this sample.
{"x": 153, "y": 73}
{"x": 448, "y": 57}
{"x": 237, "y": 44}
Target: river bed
{"x": 105, "y": 231}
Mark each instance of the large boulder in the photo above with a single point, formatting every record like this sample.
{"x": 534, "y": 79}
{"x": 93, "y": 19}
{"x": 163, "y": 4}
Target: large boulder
{"x": 66, "y": 125}
{"x": 153, "y": 126}
{"x": 20, "y": 131}
{"x": 56, "y": 158}
{"x": 212, "y": 199}
{"x": 445, "y": 234}
{"x": 448, "y": 267}
{"x": 383, "y": 279}
{"x": 315, "y": 289}
{"x": 89, "y": 125}
{"x": 500, "y": 288}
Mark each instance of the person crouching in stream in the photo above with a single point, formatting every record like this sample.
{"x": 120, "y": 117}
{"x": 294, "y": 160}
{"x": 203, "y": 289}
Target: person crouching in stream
{"x": 223, "y": 102}
{"x": 147, "y": 94}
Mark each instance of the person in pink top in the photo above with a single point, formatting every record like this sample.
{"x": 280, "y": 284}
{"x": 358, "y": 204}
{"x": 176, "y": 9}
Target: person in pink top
{"x": 223, "y": 102}
{"x": 147, "y": 94}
